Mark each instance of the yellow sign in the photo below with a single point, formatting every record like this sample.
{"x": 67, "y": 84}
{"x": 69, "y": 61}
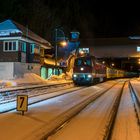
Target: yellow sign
{"x": 22, "y": 102}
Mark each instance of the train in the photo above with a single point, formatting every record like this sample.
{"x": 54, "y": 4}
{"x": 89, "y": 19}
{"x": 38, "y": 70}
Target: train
{"x": 87, "y": 70}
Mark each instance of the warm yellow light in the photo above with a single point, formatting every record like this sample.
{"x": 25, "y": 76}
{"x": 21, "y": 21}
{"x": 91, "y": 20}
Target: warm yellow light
{"x": 63, "y": 43}
{"x": 81, "y": 52}
{"x": 139, "y": 62}
{"x": 103, "y": 62}
{"x": 113, "y": 64}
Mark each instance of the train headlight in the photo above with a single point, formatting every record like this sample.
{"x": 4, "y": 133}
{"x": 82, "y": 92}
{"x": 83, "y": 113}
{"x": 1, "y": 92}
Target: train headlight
{"x": 89, "y": 75}
{"x": 81, "y": 68}
{"x": 74, "y": 75}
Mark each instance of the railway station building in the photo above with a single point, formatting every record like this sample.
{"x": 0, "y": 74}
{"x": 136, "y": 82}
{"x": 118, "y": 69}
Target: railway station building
{"x": 21, "y": 50}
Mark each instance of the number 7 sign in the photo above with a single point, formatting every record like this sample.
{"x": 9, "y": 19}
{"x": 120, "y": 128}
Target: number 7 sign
{"x": 22, "y": 103}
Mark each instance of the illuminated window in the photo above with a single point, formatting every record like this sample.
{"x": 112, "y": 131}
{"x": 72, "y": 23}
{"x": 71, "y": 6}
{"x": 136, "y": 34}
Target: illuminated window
{"x": 32, "y": 48}
{"x": 138, "y": 48}
{"x": 84, "y": 50}
{"x": 23, "y": 46}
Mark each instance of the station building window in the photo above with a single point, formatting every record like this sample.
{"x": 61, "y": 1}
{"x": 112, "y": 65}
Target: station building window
{"x": 22, "y": 46}
{"x": 34, "y": 49}
{"x": 32, "y": 46}
{"x": 9, "y": 46}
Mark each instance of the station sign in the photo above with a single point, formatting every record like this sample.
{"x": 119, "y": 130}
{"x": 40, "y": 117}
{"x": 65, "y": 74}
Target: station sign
{"x": 75, "y": 36}
{"x": 22, "y": 103}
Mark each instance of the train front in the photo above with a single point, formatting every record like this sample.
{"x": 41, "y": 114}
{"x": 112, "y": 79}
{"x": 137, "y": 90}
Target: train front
{"x": 82, "y": 71}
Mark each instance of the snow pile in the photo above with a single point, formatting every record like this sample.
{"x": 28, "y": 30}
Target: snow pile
{"x": 31, "y": 78}
{"x": 28, "y": 78}
{"x": 69, "y": 74}
{"x": 7, "y": 83}
{"x": 58, "y": 77}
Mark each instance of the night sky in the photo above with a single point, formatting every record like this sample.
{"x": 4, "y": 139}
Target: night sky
{"x": 92, "y": 18}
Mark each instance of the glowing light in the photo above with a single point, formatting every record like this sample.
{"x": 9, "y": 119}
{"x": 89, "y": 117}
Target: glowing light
{"x": 113, "y": 64}
{"x": 103, "y": 62}
{"x": 81, "y": 52}
{"x": 89, "y": 76}
{"x": 63, "y": 43}
{"x": 82, "y": 69}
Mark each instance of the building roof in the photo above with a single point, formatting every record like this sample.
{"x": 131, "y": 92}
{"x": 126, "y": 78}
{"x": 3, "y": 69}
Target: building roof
{"x": 12, "y": 28}
{"x": 109, "y": 41}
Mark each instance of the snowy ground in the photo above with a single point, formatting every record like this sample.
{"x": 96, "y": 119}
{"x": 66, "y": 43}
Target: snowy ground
{"x": 31, "y": 79}
{"x": 41, "y": 117}
{"x": 91, "y": 123}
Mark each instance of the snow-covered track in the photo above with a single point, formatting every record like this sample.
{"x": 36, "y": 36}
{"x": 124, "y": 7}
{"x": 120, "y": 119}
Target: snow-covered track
{"x": 67, "y": 116}
{"x": 36, "y": 94}
{"x": 31, "y": 91}
{"x": 136, "y": 101}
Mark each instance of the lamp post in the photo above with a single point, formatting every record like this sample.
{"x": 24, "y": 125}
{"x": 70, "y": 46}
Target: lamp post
{"x": 61, "y": 40}
{"x": 56, "y": 48}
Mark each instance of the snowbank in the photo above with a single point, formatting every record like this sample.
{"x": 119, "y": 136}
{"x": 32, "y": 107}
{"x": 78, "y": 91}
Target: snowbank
{"x": 28, "y": 78}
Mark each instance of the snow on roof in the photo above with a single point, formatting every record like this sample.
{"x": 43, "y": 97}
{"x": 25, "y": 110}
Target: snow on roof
{"x": 6, "y": 25}
{"x": 9, "y": 26}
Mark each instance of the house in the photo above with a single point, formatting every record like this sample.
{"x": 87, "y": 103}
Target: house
{"x": 21, "y": 50}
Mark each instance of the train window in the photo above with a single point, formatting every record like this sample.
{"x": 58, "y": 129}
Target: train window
{"x": 78, "y": 62}
{"x": 85, "y": 62}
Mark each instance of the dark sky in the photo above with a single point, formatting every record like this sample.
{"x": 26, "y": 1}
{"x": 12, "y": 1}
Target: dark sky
{"x": 92, "y": 18}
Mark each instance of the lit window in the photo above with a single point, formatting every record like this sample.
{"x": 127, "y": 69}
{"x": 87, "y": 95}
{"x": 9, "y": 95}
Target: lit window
{"x": 32, "y": 48}
{"x": 23, "y": 46}
{"x": 138, "y": 48}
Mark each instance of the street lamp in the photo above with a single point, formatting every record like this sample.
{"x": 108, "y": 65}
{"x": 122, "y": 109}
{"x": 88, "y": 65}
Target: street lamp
{"x": 112, "y": 64}
{"x": 61, "y": 40}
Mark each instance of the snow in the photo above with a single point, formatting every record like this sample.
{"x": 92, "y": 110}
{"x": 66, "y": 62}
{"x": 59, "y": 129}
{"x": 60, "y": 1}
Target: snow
{"x": 43, "y": 116}
{"x": 91, "y": 123}
{"x": 126, "y": 127}
{"x": 8, "y": 27}
{"x": 32, "y": 79}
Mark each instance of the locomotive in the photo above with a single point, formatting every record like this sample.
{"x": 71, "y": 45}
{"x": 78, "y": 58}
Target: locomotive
{"x": 88, "y": 70}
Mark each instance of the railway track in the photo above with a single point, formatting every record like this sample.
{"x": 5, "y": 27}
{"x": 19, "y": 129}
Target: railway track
{"x": 66, "y": 116}
{"x": 136, "y": 102}
{"x": 111, "y": 123}
{"x": 8, "y": 98}
{"x": 10, "y": 95}
{"x": 111, "y": 115}
{"x": 101, "y": 109}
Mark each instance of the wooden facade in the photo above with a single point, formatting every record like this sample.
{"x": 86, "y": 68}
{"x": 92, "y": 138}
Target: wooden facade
{"x": 19, "y": 44}
{"x": 21, "y": 50}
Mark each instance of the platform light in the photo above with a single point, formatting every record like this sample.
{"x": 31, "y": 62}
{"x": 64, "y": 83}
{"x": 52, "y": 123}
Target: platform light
{"x": 81, "y": 68}
{"x": 63, "y": 43}
{"x": 139, "y": 61}
{"x": 112, "y": 64}
{"x": 89, "y": 75}
{"x": 103, "y": 62}
{"x": 74, "y": 75}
